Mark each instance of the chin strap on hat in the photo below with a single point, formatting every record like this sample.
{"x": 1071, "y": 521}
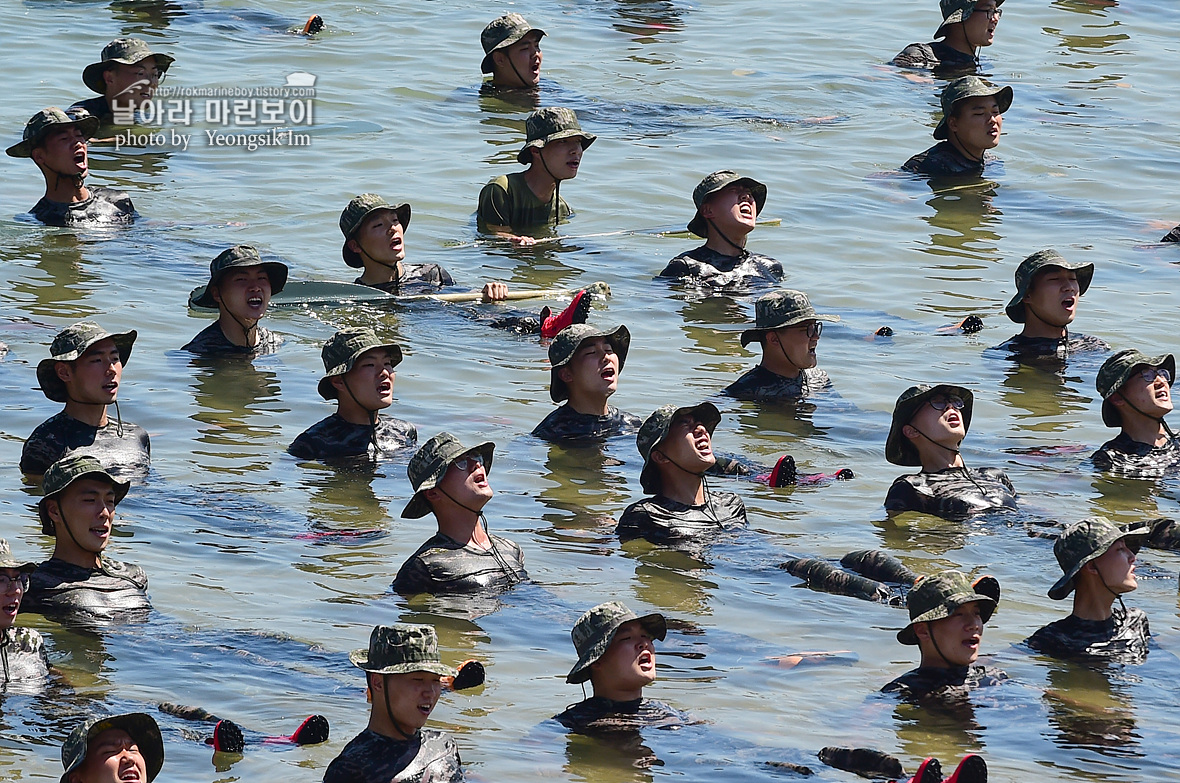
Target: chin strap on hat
{"x": 1160, "y": 419}
{"x": 728, "y": 241}
{"x": 513, "y": 574}
{"x": 556, "y": 187}
{"x": 389, "y": 710}
{"x": 372, "y": 416}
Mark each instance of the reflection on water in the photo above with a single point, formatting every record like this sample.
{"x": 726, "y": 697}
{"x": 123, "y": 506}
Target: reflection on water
{"x": 1051, "y": 402}
{"x": 66, "y": 281}
{"x": 647, "y": 21}
{"x": 965, "y": 221}
{"x": 1089, "y": 711}
{"x": 139, "y": 18}
{"x": 236, "y": 402}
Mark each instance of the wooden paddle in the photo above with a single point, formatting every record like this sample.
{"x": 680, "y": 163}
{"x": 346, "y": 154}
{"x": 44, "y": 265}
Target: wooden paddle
{"x": 307, "y": 293}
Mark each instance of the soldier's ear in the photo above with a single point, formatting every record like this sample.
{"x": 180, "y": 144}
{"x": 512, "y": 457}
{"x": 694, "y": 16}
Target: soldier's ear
{"x": 910, "y": 432}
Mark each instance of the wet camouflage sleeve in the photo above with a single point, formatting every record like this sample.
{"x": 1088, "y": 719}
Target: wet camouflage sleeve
{"x": 762, "y": 385}
{"x": 943, "y": 160}
{"x": 954, "y": 493}
{"x": 22, "y": 657}
{"x": 128, "y": 454}
{"x": 334, "y": 438}
{"x": 923, "y": 682}
{"x": 443, "y": 566}
{"x": 97, "y": 106}
{"x": 116, "y": 591}
{"x": 706, "y": 268}
{"x": 659, "y": 519}
{"x": 415, "y": 279}
{"x": 104, "y": 207}
{"x": 1122, "y": 638}
{"x": 211, "y": 341}
{"x": 1172, "y": 236}
{"x": 946, "y": 61}
{"x": 430, "y": 757}
{"x": 1124, "y": 456}
{"x": 1040, "y": 349}
{"x": 566, "y": 424}
{"x": 600, "y": 715}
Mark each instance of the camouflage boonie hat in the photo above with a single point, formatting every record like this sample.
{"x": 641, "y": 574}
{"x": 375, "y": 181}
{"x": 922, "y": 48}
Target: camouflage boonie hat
{"x": 937, "y": 597}
{"x": 69, "y": 345}
{"x": 569, "y": 340}
{"x": 47, "y": 121}
{"x": 969, "y": 87}
{"x": 655, "y": 429}
{"x": 126, "y": 51}
{"x": 595, "y": 630}
{"x": 66, "y": 471}
{"x": 401, "y": 649}
{"x": 355, "y": 214}
{"x": 140, "y": 726}
{"x": 780, "y": 309}
{"x": 545, "y": 126}
{"x": 501, "y": 33}
{"x": 1035, "y": 263}
{"x": 1117, "y": 370}
{"x": 898, "y": 448}
{"x": 343, "y": 349}
{"x": 8, "y": 561}
{"x": 955, "y": 11}
{"x": 1088, "y": 540}
{"x": 715, "y": 183}
{"x": 237, "y": 257}
{"x": 431, "y": 462}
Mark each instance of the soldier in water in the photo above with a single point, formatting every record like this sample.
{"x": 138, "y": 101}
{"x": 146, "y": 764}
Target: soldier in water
{"x": 450, "y": 480}
{"x": 84, "y": 370}
{"x": 929, "y": 425}
{"x": 967, "y": 26}
{"x": 727, "y": 209}
{"x": 584, "y": 367}
{"x": 1097, "y": 559}
{"x": 57, "y": 141}
{"x": 972, "y": 119}
{"x": 1136, "y": 392}
{"x": 78, "y": 582}
{"x": 403, "y": 675}
{"x": 125, "y": 78}
{"x": 358, "y": 375}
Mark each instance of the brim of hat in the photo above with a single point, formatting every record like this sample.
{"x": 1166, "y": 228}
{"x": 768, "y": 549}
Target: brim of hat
{"x": 655, "y": 624}
{"x": 142, "y": 729}
{"x": 524, "y": 158}
{"x": 52, "y": 386}
{"x": 649, "y": 477}
{"x": 24, "y": 568}
{"x": 351, "y": 257}
{"x": 360, "y": 659}
{"x": 419, "y": 506}
{"x": 1065, "y": 585}
{"x": 88, "y": 126}
{"x": 700, "y": 227}
{"x": 328, "y": 391}
{"x": 1085, "y": 273}
{"x": 1110, "y": 414}
{"x": 986, "y": 591}
{"x": 201, "y": 297}
{"x": 898, "y": 448}
{"x": 487, "y": 66}
{"x": 620, "y": 340}
{"x": 1003, "y": 98}
{"x": 756, "y": 335}
{"x": 92, "y": 74}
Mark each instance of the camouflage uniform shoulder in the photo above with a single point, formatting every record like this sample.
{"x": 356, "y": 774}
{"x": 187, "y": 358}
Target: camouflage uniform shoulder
{"x": 25, "y": 640}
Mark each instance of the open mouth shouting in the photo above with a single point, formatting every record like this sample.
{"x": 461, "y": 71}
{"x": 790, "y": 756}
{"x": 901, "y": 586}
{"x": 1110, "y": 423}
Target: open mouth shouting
{"x": 646, "y": 661}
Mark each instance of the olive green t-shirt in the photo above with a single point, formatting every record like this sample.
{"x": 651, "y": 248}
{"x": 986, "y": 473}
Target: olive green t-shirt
{"x": 508, "y": 201}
